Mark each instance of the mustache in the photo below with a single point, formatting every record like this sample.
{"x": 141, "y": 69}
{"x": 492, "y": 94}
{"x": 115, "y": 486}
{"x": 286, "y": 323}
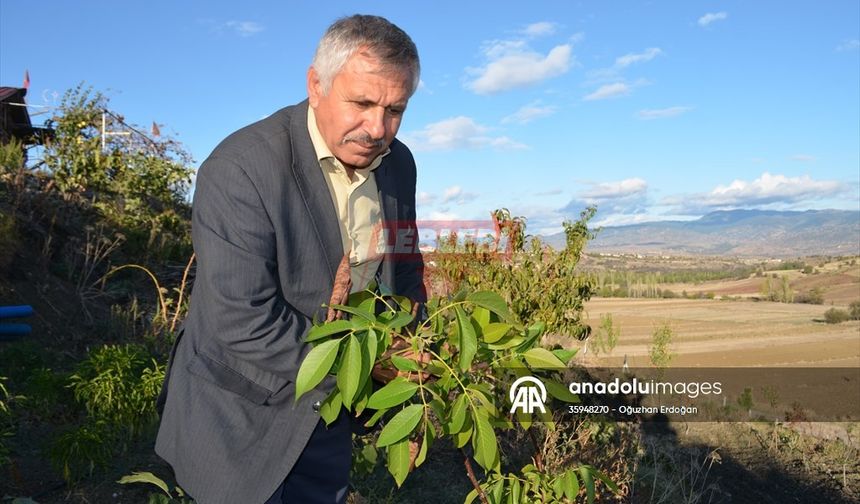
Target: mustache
{"x": 363, "y": 139}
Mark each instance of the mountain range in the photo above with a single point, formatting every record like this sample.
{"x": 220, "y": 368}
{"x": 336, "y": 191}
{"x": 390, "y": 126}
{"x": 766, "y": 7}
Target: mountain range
{"x": 744, "y": 233}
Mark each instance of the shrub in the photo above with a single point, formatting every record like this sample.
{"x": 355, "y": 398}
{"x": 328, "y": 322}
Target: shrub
{"x": 6, "y": 426}
{"x": 660, "y": 353}
{"x": 11, "y": 156}
{"x": 836, "y": 316}
{"x": 117, "y": 384}
{"x": 813, "y": 296}
{"x": 606, "y": 338}
{"x": 854, "y": 308}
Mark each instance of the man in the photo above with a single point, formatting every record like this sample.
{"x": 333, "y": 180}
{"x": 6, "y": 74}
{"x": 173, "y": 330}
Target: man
{"x": 276, "y": 207}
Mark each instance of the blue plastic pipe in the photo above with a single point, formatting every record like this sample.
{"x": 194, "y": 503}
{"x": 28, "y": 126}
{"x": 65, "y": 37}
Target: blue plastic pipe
{"x": 15, "y": 311}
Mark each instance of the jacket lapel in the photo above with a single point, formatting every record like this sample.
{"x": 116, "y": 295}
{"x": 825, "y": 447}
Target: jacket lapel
{"x": 314, "y": 190}
{"x": 385, "y": 185}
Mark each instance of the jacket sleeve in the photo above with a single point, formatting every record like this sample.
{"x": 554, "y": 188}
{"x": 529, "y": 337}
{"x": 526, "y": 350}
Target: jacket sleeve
{"x": 243, "y": 309}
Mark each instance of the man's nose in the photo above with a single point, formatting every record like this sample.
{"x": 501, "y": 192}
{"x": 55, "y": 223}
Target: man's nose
{"x": 375, "y": 122}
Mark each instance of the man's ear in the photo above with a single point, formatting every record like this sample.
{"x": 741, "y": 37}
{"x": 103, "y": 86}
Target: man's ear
{"x": 314, "y": 87}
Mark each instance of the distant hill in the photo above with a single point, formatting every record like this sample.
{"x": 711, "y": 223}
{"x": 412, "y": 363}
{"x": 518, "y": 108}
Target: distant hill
{"x": 750, "y": 233}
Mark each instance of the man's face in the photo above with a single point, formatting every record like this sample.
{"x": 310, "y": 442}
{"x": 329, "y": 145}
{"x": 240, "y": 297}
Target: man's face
{"x": 361, "y": 113}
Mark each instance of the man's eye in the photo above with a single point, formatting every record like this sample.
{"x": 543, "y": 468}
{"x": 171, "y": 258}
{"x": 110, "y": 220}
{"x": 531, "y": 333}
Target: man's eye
{"x": 395, "y": 111}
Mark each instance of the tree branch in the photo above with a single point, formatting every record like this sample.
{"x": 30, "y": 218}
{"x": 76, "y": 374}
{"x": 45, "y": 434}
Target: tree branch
{"x": 473, "y": 479}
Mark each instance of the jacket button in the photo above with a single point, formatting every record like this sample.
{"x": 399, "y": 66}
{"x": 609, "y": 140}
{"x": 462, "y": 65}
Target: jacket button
{"x": 316, "y": 406}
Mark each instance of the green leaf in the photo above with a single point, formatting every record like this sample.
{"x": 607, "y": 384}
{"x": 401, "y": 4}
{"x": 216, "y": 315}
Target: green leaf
{"x": 375, "y": 418}
{"x": 316, "y": 365}
{"x": 426, "y": 442}
{"x": 498, "y": 491}
{"x": 495, "y": 331}
{"x": 564, "y": 355}
{"x": 524, "y": 419}
{"x": 560, "y": 392}
{"x": 368, "y": 305}
{"x": 404, "y": 302}
{"x": 368, "y": 343}
{"x": 541, "y": 358}
{"x": 153, "y": 499}
{"x": 458, "y": 415}
{"x": 609, "y": 483}
{"x": 588, "y": 481}
{"x": 330, "y": 408}
{"x": 491, "y": 301}
{"x": 484, "y": 443}
{"x": 398, "y": 460}
{"x": 468, "y": 339}
{"x": 483, "y": 395}
{"x": 349, "y": 374}
{"x": 515, "y": 492}
{"x": 365, "y": 314}
{"x": 358, "y": 297}
{"x": 509, "y": 341}
{"x": 558, "y": 486}
{"x": 145, "y": 477}
{"x": 395, "y": 392}
{"x": 404, "y": 364}
{"x": 481, "y": 316}
{"x": 359, "y": 403}
{"x": 533, "y": 334}
{"x": 329, "y": 328}
{"x": 399, "y": 427}
{"x": 461, "y": 438}
{"x": 400, "y": 319}
{"x": 471, "y": 496}
{"x": 570, "y": 484}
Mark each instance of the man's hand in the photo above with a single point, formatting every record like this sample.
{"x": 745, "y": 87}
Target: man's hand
{"x": 340, "y": 289}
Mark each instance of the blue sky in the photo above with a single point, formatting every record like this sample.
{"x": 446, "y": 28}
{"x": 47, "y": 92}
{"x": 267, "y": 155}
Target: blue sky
{"x": 651, "y": 110}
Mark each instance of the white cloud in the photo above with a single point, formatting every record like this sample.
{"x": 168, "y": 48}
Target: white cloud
{"x": 662, "y": 113}
{"x": 711, "y": 17}
{"x": 766, "y": 190}
{"x": 451, "y": 193}
{"x": 628, "y": 196}
{"x": 425, "y": 198}
{"x": 849, "y": 45}
{"x": 512, "y": 64}
{"x": 539, "y": 29}
{"x": 609, "y": 91}
{"x": 577, "y": 38}
{"x": 529, "y": 113}
{"x": 244, "y": 28}
{"x": 459, "y": 132}
{"x": 550, "y": 192}
{"x": 802, "y": 157}
{"x": 629, "y": 59}
{"x": 639, "y": 218}
{"x": 437, "y": 215}
{"x": 618, "y": 189}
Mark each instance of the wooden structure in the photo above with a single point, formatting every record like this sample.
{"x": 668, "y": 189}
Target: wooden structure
{"x": 15, "y": 119}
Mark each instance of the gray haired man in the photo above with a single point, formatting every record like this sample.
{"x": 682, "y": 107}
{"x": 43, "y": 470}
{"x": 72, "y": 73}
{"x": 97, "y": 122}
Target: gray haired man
{"x": 276, "y": 207}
